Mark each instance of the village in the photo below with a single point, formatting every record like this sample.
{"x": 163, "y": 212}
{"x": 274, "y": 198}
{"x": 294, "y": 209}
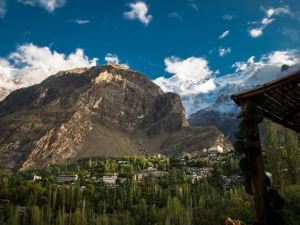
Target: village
{"x": 120, "y": 172}
{"x": 196, "y": 168}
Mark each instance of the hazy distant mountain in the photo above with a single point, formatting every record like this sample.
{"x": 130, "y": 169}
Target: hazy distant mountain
{"x": 98, "y": 111}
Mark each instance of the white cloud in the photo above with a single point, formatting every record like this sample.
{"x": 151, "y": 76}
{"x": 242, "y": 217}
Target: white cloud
{"x": 175, "y": 15}
{"x": 242, "y": 66}
{"x": 224, "y": 51}
{"x": 81, "y": 22}
{"x": 30, "y": 64}
{"x": 267, "y": 20}
{"x": 227, "y": 17}
{"x": 49, "y": 5}
{"x": 191, "y": 75}
{"x": 193, "y": 4}
{"x": 282, "y": 57}
{"x": 114, "y": 59}
{"x": 3, "y": 8}
{"x": 277, "y": 11}
{"x": 256, "y": 32}
{"x": 193, "y": 68}
{"x": 139, "y": 10}
{"x": 224, "y": 34}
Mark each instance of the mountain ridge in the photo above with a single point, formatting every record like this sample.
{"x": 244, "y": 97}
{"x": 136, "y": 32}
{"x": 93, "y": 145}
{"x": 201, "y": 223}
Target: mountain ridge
{"x": 91, "y": 112}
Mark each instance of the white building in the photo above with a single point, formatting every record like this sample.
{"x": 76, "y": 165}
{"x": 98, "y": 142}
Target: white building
{"x": 67, "y": 178}
{"x": 36, "y": 178}
{"x": 153, "y": 171}
{"x": 138, "y": 177}
{"x": 216, "y": 148}
{"x": 110, "y": 180}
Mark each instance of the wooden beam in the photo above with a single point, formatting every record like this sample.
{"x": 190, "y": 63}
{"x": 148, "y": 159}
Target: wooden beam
{"x": 291, "y": 79}
{"x": 287, "y": 124}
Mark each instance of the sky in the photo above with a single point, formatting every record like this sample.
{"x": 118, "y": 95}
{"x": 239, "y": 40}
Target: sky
{"x": 156, "y": 37}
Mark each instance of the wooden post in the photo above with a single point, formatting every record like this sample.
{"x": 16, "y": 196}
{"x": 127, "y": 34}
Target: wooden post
{"x": 258, "y": 184}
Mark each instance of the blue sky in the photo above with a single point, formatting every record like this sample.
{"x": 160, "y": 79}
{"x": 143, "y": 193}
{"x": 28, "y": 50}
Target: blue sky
{"x": 181, "y": 28}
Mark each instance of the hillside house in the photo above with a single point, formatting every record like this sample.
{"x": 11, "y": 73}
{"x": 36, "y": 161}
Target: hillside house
{"x": 138, "y": 177}
{"x": 153, "y": 171}
{"x": 205, "y": 172}
{"x": 36, "y": 178}
{"x": 215, "y": 148}
{"x": 67, "y": 179}
{"x": 110, "y": 179}
{"x": 193, "y": 177}
{"x": 123, "y": 162}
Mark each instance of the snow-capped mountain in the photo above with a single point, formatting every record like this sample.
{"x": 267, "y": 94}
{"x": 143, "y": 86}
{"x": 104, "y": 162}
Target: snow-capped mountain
{"x": 8, "y": 85}
{"x": 213, "y": 105}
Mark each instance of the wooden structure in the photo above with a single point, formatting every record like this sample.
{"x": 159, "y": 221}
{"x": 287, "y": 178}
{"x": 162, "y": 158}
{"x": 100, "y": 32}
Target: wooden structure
{"x": 278, "y": 101}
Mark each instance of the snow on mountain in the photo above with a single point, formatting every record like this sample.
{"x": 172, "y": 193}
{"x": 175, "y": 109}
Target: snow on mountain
{"x": 209, "y": 92}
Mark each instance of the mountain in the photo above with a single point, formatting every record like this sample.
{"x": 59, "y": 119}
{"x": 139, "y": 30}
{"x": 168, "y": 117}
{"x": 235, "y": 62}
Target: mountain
{"x": 91, "y": 112}
{"x": 208, "y": 102}
{"x": 222, "y": 111}
{"x": 225, "y": 122}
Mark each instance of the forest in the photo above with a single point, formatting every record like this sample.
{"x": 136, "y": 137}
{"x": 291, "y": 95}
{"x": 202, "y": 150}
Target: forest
{"x": 170, "y": 199}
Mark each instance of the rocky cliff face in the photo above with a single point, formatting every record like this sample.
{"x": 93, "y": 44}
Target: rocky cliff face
{"x": 92, "y": 112}
{"x": 227, "y": 122}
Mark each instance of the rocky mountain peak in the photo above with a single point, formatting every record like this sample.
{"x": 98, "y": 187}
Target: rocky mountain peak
{"x": 90, "y": 112}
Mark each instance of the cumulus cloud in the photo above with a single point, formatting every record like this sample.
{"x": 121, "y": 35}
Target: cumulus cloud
{"x": 114, "y": 59}
{"x": 270, "y": 13}
{"x": 3, "y": 9}
{"x": 139, "y": 10}
{"x": 224, "y": 51}
{"x": 30, "y": 64}
{"x": 282, "y": 57}
{"x": 193, "y": 68}
{"x": 81, "y": 22}
{"x": 224, "y": 34}
{"x": 191, "y": 75}
{"x": 49, "y": 5}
